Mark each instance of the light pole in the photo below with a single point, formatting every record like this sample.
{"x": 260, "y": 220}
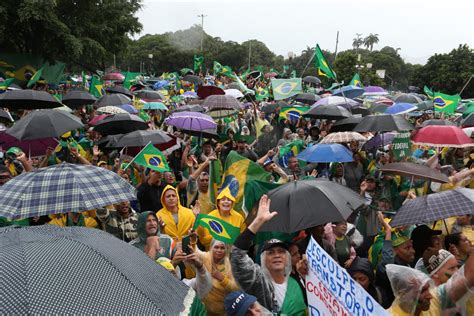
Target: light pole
{"x": 202, "y": 16}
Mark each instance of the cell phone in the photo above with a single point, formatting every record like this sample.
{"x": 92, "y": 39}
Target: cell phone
{"x": 185, "y": 244}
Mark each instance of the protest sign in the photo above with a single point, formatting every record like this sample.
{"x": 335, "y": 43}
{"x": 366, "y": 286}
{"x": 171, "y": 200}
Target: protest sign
{"x": 332, "y": 291}
{"x": 401, "y": 145}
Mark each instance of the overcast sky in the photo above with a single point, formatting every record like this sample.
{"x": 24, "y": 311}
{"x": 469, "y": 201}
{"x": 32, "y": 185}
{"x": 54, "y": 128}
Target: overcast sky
{"x": 419, "y": 28}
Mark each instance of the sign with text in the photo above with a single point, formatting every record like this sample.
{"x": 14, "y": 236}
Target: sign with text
{"x": 401, "y": 145}
{"x": 330, "y": 289}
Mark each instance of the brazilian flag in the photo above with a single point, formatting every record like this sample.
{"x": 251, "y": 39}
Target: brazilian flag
{"x": 290, "y": 150}
{"x": 152, "y": 158}
{"x": 292, "y": 113}
{"x": 6, "y": 83}
{"x": 356, "y": 81}
{"x": 428, "y": 92}
{"x": 35, "y": 78}
{"x": 96, "y": 87}
{"x": 217, "y": 68}
{"x": 323, "y": 65}
{"x": 262, "y": 94}
{"x": 445, "y": 103}
{"x": 198, "y": 60}
{"x": 227, "y": 71}
{"x": 218, "y": 228}
{"x": 286, "y": 88}
{"x": 130, "y": 78}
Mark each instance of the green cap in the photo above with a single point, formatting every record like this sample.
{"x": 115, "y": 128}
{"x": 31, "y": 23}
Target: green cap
{"x": 14, "y": 150}
{"x": 398, "y": 239}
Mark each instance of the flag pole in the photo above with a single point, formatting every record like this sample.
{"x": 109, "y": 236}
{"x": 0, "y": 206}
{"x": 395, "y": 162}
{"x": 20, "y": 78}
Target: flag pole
{"x": 310, "y": 60}
{"x": 137, "y": 155}
{"x": 464, "y": 87}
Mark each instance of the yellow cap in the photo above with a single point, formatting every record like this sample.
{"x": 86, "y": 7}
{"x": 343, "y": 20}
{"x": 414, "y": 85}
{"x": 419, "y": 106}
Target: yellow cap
{"x": 165, "y": 263}
{"x": 66, "y": 135}
{"x": 226, "y": 193}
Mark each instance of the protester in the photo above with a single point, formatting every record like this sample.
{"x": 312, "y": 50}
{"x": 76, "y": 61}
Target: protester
{"x": 150, "y": 240}
{"x": 120, "y": 220}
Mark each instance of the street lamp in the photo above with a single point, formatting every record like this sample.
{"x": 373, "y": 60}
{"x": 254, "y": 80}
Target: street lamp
{"x": 202, "y": 16}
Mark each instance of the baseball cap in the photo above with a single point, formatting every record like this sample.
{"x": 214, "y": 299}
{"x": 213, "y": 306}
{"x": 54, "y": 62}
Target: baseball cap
{"x": 272, "y": 243}
{"x": 267, "y": 162}
{"x": 435, "y": 262}
{"x": 14, "y": 151}
{"x": 237, "y": 303}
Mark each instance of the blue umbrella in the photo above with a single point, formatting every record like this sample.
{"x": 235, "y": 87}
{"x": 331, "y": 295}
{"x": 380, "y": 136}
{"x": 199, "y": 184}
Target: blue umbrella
{"x": 349, "y": 91}
{"x": 400, "y": 108}
{"x": 326, "y": 153}
{"x": 129, "y": 108}
{"x": 154, "y": 106}
{"x": 161, "y": 84}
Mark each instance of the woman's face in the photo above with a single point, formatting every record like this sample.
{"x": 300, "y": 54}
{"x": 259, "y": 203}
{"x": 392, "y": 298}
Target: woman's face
{"x": 464, "y": 244}
{"x": 362, "y": 279}
{"x": 340, "y": 228}
{"x": 218, "y": 251}
{"x": 225, "y": 204}
{"x": 339, "y": 170}
{"x": 171, "y": 200}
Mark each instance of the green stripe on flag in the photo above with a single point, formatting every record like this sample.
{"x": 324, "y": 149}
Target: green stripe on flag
{"x": 218, "y": 228}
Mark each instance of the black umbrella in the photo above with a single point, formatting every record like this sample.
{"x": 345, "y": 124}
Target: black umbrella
{"x": 407, "y": 98}
{"x": 307, "y": 98}
{"x": 468, "y": 121}
{"x": 270, "y": 107}
{"x": 346, "y": 124}
{"x": 28, "y": 99}
{"x": 360, "y": 110}
{"x": 5, "y": 116}
{"x": 308, "y": 203}
{"x": 383, "y": 123}
{"x": 312, "y": 79}
{"x": 435, "y": 206}
{"x": 77, "y": 98}
{"x": 149, "y": 95}
{"x": 190, "y": 108}
{"x": 415, "y": 170}
{"x": 142, "y": 138}
{"x": 254, "y": 75}
{"x": 205, "y": 133}
{"x": 109, "y": 141}
{"x": 437, "y": 122}
{"x": 120, "y": 124}
{"x": 329, "y": 112}
{"x": 44, "y": 123}
{"x": 113, "y": 99}
{"x": 119, "y": 89}
{"x": 379, "y": 108}
{"x": 45, "y": 271}
{"x": 193, "y": 79}
{"x": 425, "y": 105}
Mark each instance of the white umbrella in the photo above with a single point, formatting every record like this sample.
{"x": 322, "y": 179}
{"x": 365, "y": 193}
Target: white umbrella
{"x": 234, "y": 93}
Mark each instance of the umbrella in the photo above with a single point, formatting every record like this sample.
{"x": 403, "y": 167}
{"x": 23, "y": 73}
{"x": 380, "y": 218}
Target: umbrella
{"x": 6, "y": 116}
{"x": 383, "y": 123}
{"x": 205, "y": 91}
{"x": 468, "y": 131}
{"x": 442, "y": 136}
{"x": 28, "y": 99}
{"x": 329, "y": 112}
{"x": 469, "y": 110}
{"x": 307, "y": 98}
{"x": 383, "y": 100}
{"x": 336, "y": 100}
{"x": 343, "y": 137}
{"x": 113, "y": 99}
{"x": 36, "y": 147}
{"x": 155, "y": 106}
{"x": 234, "y": 93}
{"x": 415, "y": 170}
{"x": 50, "y": 270}
{"x": 326, "y": 153}
{"x": 312, "y": 79}
{"x": 191, "y": 121}
{"x": 401, "y": 108}
{"x": 162, "y": 84}
{"x": 194, "y": 80}
{"x": 425, "y": 105}
{"x": 110, "y": 109}
{"x": 120, "y": 124}
{"x": 44, "y": 123}
{"x": 149, "y": 95}
{"x": 254, "y": 74}
{"x": 186, "y": 71}
{"x": 468, "y": 121}
{"x": 234, "y": 85}
{"x": 128, "y": 108}
{"x": 62, "y": 188}
{"x": 109, "y": 141}
{"x": 437, "y": 122}
{"x": 271, "y": 74}
{"x": 96, "y": 119}
{"x": 116, "y": 76}
{"x": 119, "y": 89}
{"x": 379, "y": 140}
{"x": 270, "y": 107}
{"x": 142, "y": 138}
{"x": 349, "y": 91}
{"x": 346, "y": 124}
{"x": 189, "y": 108}
{"x": 190, "y": 95}
{"x": 379, "y": 108}
{"x": 77, "y": 98}
{"x": 221, "y": 102}
{"x": 435, "y": 206}
{"x": 374, "y": 90}
{"x": 407, "y": 98}
{"x": 308, "y": 203}
{"x": 363, "y": 111}
{"x": 206, "y": 133}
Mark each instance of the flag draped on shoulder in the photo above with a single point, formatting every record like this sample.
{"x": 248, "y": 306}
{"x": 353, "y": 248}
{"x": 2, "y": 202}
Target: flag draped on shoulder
{"x": 35, "y": 78}
{"x": 218, "y": 228}
{"x": 292, "y": 113}
{"x": 96, "y": 87}
{"x": 198, "y": 60}
{"x": 286, "y": 88}
{"x": 356, "y": 81}
{"x": 322, "y": 64}
{"x": 290, "y": 150}
{"x": 445, "y": 102}
{"x": 152, "y": 158}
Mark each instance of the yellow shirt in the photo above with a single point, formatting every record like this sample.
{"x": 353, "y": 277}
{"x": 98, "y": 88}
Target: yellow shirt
{"x": 185, "y": 222}
{"x": 234, "y": 218}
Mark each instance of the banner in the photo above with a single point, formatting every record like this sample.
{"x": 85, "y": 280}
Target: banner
{"x": 401, "y": 145}
{"x": 332, "y": 291}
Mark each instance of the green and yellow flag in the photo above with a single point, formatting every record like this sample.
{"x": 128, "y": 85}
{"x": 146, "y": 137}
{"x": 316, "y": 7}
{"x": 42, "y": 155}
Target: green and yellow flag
{"x": 286, "y": 88}
{"x": 356, "y": 81}
{"x": 445, "y": 103}
{"x": 152, "y": 158}
{"x": 292, "y": 113}
{"x": 227, "y": 71}
{"x": 428, "y": 92}
{"x": 262, "y": 94}
{"x": 218, "y": 228}
{"x": 198, "y": 60}
{"x": 35, "y": 78}
{"x": 243, "y": 87}
{"x": 96, "y": 87}
{"x": 217, "y": 68}
{"x": 130, "y": 78}
{"x": 6, "y": 83}
{"x": 323, "y": 65}
{"x": 215, "y": 179}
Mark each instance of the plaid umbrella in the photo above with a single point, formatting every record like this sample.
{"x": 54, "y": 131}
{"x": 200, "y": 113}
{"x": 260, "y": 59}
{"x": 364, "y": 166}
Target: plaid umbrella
{"x": 436, "y": 206}
{"x": 343, "y": 137}
{"x": 221, "y": 102}
{"x": 62, "y": 188}
{"x": 49, "y": 270}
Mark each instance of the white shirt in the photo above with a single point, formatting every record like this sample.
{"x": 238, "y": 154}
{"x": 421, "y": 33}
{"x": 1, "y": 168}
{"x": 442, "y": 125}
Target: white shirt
{"x": 280, "y": 292}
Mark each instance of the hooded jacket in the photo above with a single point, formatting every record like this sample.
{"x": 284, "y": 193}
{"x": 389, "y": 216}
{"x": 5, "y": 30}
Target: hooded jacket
{"x": 185, "y": 217}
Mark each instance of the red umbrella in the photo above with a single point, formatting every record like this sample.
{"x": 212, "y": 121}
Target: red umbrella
{"x": 205, "y": 91}
{"x": 442, "y": 136}
{"x": 96, "y": 119}
{"x": 114, "y": 76}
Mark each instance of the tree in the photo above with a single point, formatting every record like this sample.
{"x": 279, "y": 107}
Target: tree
{"x": 371, "y": 40}
{"x": 86, "y": 33}
{"x": 357, "y": 41}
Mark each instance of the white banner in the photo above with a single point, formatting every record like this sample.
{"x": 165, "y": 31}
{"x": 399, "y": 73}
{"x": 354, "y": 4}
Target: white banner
{"x": 380, "y": 73}
{"x": 332, "y": 291}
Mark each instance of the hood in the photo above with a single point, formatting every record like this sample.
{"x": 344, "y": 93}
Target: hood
{"x": 362, "y": 265}
{"x": 169, "y": 187}
{"x": 142, "y": 223}
{"x": 265, "y": 271}
{"x": 225, "y": 193}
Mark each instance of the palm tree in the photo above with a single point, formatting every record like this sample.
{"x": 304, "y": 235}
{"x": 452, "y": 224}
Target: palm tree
{"x": 358, "y": 41}
{"x": 308, "y": 51}
{"x": 370, "y": 40}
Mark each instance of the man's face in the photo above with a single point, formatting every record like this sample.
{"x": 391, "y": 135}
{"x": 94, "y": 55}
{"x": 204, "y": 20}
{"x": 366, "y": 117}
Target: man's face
{"x": 151, "y": 226}
{"x": 371, "y": 185}
{"x": 207, "y": 149}
{"x": 446, "y": 271}
{"x": 464, "y": 244}
{"x": 275, "y": 259}
{"x": 301, "y": 133}
{"x": 425, "y": 299}
{"x": 171, "y": 200}
{"x": 169, "y": 177}
{"x": 241, "y": 146}
{"x": 405, "y": 252}
{"x": 123, "y": 207}
{"x": 154, "y": 178}
{"x": 203, "y": 182}
{"x": 4, "y": 178}
{"x": 383, "y": 205}
{"x": 292, "y": 163}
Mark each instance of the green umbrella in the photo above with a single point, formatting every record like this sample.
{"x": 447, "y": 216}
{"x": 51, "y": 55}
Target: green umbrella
{"x": 469, "y": 110}
{"x": 154, "y": 106}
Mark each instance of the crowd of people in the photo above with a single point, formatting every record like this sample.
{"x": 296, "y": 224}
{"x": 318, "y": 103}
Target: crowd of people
{"x": 422, "y": 269}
